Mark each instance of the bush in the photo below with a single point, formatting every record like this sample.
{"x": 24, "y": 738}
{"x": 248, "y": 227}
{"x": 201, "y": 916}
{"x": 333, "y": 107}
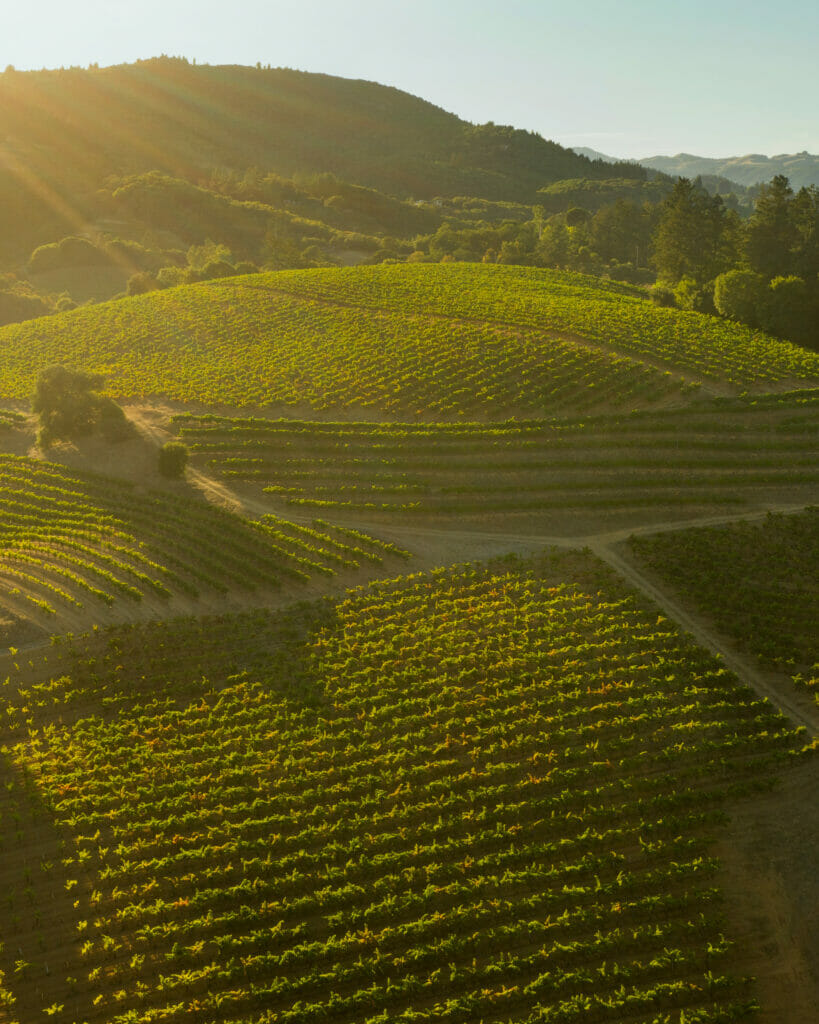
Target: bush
{"x": 689, "y": 294}
{"x": 173, "y": 458}
{"x": 19, "y": 301}
{"x": 125, "y": 252}
{"x": 112, "y": 422}
{"x": 662, "y": 296}
{"x": 68, "y": 252}
{"x": 788, "y": 310}
{"x": 69, "y": 406}
{"x": 738, "y": 296}
{"x": 627, "y": 272}
{"x": 169, "y": 277}
{"x": 217, "y": 268}
{"x": 141, "y": 282}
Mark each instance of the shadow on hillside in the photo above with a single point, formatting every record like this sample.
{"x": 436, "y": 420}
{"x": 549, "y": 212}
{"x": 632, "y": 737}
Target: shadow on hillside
{"x": 45, "y": 890}
{"x": 42, "y": 901}
{"x": 109, "y": 671}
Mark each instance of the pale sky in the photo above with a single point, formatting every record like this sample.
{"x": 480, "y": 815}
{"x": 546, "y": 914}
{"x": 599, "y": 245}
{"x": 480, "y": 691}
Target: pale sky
{"x": 632, "y": 78}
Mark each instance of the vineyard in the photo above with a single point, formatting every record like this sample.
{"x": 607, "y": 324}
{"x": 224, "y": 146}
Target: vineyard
{"x": 416, "y": 342}
{"x": 233, "y": 791}
{"x": 758, "y": 582}
{"x": 482, "y": 793}
{"x": 725, "y": 455}
{"x": 72, "y": 541}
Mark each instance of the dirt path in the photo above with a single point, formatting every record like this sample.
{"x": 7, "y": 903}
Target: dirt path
{"x": 432, "y": 546}
{"x": 769, "y": 850}
{"x": 768, "y": 854}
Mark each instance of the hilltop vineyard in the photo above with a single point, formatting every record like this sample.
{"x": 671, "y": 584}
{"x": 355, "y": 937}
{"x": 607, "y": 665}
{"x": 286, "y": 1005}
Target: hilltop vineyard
{"x": 440, "y": 342}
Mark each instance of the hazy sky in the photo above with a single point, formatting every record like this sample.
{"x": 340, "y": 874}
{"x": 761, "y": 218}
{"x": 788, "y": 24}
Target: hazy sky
{"x": 629, "y": 77}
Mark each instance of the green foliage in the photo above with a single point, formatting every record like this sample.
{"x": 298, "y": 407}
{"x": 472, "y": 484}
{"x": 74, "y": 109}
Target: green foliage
{"x": 68, "y": 252}
{"x": 772, "y": 234}
{"x": 69, "y": 406}
{"x": 738, "y": 295}
{"x": 512, "y": 770}
{"x": 757, "y": 581}
{"x": 288, "y": 122}
{"x": 199, "y": 256}
{"x": 134, "y": 255}
{"x": 73, "y": 538}
{"x": 169, "y": 277}
{"x": 782, "y": 246}
{"x": 141, "y": 282}
{"x": 173, "y": 458}
{"x": 412, "y": 340}
{"x": 708, "y": 456}
{"x": 689, "y": 294}
{"x": 692, "y": 238}
{"x": 662, "y": 295}
{"x": 790, "y": 309}
{"x": 19, "y": 301}
{"x": 598, "y": 194}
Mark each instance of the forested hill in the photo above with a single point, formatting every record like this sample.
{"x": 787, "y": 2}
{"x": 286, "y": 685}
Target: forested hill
{"x": 62, "y": 132}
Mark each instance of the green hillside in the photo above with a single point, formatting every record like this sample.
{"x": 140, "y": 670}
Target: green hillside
{"x": 757, "y": 581}
{"x": 556, "y": 772}
{"x": 73, "y": 545}
{"x": 727, "y": 455}
{"x": 435, "y": 341}
{"x": 63, "y": 132}
{"x": 486, "y": 793}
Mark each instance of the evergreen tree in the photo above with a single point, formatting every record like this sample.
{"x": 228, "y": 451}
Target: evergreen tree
{"x": 693, "y": 238}
{"x": 773, "y": 236}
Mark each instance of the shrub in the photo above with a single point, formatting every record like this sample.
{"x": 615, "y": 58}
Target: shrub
{"x": 169, "y": 277}
{"x": 68, "y": 252}
{"x": 173, "y": 458}
{"x": 69, "y": 406}
{"x": 738, "y": 295}
{"x": 662, "y": 296}
{"x": 690, "y": 294}
{"x": 141, "y": 282}
{"x": 19, "y": 301}
{"x": 217, "y": 268}
{"x": 787, "y": 310}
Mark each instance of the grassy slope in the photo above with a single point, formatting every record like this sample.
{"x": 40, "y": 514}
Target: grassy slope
{"x": 445, "y": 340}
{"x": 64, "y": 132}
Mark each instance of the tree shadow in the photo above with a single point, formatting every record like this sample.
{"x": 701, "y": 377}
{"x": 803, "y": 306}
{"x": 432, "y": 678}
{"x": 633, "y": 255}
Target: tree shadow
{"x": 53, "y": 954}
{"x": 107, "y": 671}
{"x": 42, "y": 892}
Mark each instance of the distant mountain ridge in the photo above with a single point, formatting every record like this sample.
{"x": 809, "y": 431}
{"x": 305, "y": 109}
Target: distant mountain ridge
{"x": 801, "y": 169}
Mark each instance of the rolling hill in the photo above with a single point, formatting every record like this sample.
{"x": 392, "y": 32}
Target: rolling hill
{"x": 63, "y": 132}
{"x": 430, "y": 341}
{"x": 802, "y": 169}
{"x": 478, "y": 790}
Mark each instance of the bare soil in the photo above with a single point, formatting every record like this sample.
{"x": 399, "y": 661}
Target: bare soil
{"x": 770, "y": 862}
